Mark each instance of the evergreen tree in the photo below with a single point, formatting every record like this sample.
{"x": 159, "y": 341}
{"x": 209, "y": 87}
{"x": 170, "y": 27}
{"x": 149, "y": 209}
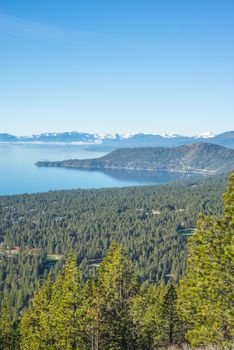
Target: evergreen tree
{"x": 34, "y": 325}
{"x": 206, "y": 291}
{"x": 171, "y": 324}
{"x": 89, "y": 317}
{"x": 8, "y": 333}
{"x": 67, "y": 309}
{"x": 144, "y": 219}
{"x": 146, "y": 313}
{"x": 110, "y": 310}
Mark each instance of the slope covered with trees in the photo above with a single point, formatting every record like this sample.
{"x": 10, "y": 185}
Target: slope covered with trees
{"x": 105, "y": 313}
{"x": 39, "y": 230}
{"x": 111, "y": 308}
{"x": 206, "y": 293}
{"x": 195, "y": 158}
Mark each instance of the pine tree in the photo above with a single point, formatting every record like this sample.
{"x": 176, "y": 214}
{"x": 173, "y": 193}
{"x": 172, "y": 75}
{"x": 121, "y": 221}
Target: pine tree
{"x": 146, "y": 313}
{"x": 34, "y": 323}
{"x": 89, "y": 316}
{"x": 8, "y": 333}
{"x": 172, "y": 332}
{"x": 93, "y": 317}
{"x": 206, "y": 292}
{"x": 110, "y": 310}
{"x": 67, "y": 309}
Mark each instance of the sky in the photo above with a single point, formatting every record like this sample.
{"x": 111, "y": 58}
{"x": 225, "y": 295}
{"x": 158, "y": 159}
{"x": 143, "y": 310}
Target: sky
{"x": 154, "y": 66}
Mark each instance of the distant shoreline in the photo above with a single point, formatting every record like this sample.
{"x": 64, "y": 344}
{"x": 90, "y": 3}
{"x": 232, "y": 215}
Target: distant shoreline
{"x": 75, "y": 143}
{"x": 198, "y": 171}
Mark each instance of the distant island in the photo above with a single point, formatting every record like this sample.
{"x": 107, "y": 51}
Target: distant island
{"x": 203, "y": 158}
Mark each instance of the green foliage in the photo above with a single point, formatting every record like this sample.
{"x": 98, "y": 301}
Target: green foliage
{"x": 8, "y": 331}
{"x": 143, "y": 219}
{"x": 112, "y": 297}
{"x": 54, "y": 319}
{"x": 206, "y": 291}
{"x": 172, "y": 327}
{"x": 155, "y": 317}
{"x": 66, "y": 311}
{"x": 34, "y": 324}
{"x": 146, "y": 313}
{"x": 108, "y": 313}
{"x": 105, "y": 308}
{"x": 19, "y": 273}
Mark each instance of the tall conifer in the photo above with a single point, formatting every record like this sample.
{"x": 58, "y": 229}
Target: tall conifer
{"x": 206, "y": 291}
{"x": 172, "y": 330}
{"x": 111, "y": 305}
{"x": 67, "y": 313}
{"x": 34, "y": 325}
{"x": 8, "y": 334}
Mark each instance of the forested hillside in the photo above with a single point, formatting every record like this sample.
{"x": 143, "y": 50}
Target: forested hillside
{"x": 195, "y": 158}
{"x": 112, "y": 309}
{"x": 37, "y": 231}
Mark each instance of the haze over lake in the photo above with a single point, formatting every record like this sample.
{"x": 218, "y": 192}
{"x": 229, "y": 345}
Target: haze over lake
{"x": 20, "y": 175}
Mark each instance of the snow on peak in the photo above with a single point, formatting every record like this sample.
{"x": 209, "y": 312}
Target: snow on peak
{"x": 206, "y": 135}
{"x": 171, "y": 135}
{"x": 113, "y": 136}
{"x": 104, "y": 136}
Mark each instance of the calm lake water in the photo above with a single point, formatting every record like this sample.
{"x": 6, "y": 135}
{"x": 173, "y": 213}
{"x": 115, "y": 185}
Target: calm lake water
{"x": 20, "y": 175}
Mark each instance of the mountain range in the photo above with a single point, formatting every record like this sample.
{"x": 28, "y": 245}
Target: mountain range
{"x": 110, "y": 142}
{"x": 203, "y": 158}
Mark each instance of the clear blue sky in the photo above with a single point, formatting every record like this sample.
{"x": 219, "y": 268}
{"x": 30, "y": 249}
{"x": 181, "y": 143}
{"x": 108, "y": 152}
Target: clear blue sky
{"x": 116, "y": 65}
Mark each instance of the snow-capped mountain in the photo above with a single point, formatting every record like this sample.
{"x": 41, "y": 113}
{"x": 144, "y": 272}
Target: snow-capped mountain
{"x": 206, "y": 135}
{"x": 112, "y": 141}
{"x": 106, "y": 136}
{"x": 168, "y": 136}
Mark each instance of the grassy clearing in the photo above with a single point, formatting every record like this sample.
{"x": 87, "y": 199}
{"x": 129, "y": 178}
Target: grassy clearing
{"x": 51, "y": 260}
{"x": 53, "y": 257}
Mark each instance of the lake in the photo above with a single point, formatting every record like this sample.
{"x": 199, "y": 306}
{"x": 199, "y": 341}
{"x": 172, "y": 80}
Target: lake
{"x": 20, "y": 175}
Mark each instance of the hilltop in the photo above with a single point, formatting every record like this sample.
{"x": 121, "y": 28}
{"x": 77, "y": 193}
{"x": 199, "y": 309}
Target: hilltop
{"x": 196, "y": 158}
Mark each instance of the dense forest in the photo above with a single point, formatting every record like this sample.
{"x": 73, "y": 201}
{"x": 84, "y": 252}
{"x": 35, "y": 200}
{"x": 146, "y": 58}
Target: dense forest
{"x": 124, "y": 295}
{"x": 152, "y": 223}
{"x": 113, "y": 309}
{"x": 196, "y": 158}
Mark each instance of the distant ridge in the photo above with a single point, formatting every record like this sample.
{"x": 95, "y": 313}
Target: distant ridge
{"x": 112, "y": 141}
{"x": 204, "y": 158}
